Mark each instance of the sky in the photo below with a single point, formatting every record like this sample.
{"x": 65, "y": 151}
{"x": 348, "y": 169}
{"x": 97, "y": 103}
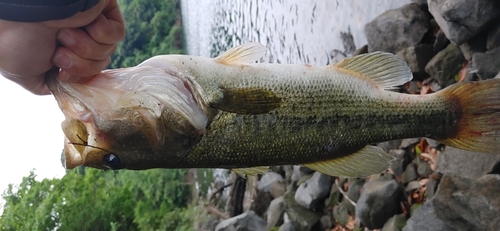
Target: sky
{"x": 31, "y": 136}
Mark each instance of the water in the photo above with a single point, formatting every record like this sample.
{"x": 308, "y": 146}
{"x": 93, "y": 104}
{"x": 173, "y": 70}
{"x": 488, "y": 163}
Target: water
{"x": 294, "y": 31}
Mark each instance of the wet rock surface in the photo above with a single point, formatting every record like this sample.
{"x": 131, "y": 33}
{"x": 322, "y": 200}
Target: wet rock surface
{"x": 424, "y": 218}
{"x": 246, "y": 221}
{"x": 457, "y": 162}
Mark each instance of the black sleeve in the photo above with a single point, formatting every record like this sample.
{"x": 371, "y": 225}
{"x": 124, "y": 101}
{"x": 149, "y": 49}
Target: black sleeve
{"x": 42, "y": 10}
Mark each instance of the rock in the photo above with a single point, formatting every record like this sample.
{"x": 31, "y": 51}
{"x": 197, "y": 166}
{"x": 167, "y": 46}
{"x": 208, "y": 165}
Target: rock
{"x": 469, "y": 164}
{"x": 326, "y": 222}
{"x": 275, "y": 212}
{"x": 487, "y": 64}
{"x": 395, "y": 223}
{"x": 396, "y": 29}
{"x": 432, "y": 186}
{"x": 245, "y": 221}
{"x": 305, "y": 218}
{"x": 460, "y": 20}
{"x": 268, "y": 180}
{"x": 409, "y": 142}
{"x": 474, "y": 45}
{"x": 210, "y": 223}
{"x": 340, "y": 214}
{"x": 424, "y": 218}
{"x": 261, "y": 202}
{"x": 441, "y": 42}
{"x": 432, "y": 143}
{"x": 388, "y": 145}
{"x": 400, "y": 162}
{"x": 362, "y": 50}
{"x": 417, "y": 57}
{"x": 334, "y": 197}
{"x": 353, "y": 192}
{"x": 379, "y": 201}
{"x": 420, "y": 2}
{"x": 423, "y": 168}
{"x": 493, "y": 39}
{"x": 277, "y": 189}
{"x": 312, "y": 193}
{"x": 290, "y": 226}
{"x": 410, "y": 173}
{"x": 445, "y": 65}
{"x": 469, "y": 204}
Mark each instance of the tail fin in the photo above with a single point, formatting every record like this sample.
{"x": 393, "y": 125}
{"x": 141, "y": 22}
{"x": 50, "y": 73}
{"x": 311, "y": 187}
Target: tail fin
{"x": 479, "y": 124}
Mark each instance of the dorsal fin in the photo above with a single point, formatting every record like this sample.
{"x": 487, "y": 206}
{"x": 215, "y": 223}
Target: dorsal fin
{"x": 368, "y": 161}
{"x": 385, "y": 69}
{"x": 246, "y": 53}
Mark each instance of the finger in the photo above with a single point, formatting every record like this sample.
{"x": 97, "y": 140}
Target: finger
{"x": 109, "y": 27}
{"x": 80, "y": 43}
{"x": 76, "y": 66}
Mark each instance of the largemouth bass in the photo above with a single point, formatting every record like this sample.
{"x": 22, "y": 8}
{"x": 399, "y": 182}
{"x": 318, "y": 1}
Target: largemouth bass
{"x": 178, "y": 111}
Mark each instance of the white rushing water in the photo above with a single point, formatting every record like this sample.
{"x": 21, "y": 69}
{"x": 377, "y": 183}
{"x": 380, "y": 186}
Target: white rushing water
{"x": 294, "y": 31}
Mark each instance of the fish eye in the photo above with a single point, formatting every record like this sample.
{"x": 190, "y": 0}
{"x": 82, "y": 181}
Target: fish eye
{"x": 112, "y": 160}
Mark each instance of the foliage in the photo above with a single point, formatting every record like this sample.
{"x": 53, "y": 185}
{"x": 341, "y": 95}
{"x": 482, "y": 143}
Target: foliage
{"x": 100, "y": 200}
{"x": 153, "y": 28}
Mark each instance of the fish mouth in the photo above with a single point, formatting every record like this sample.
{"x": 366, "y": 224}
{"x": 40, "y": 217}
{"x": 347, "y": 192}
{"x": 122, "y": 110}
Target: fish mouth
{"x": 118, "y": 101}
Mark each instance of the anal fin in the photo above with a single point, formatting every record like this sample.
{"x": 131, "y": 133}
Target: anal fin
{"x": 368, "y": 161}
{"x": 243, "y": 172}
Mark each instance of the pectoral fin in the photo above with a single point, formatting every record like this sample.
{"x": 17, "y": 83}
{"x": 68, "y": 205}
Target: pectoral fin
{"x": 368, "y": 161}
{"x": 385, "y": 69}
{"x": 247, "y": 101}
{"x": 243, "y": 172}
{"x": 246, "y": 53}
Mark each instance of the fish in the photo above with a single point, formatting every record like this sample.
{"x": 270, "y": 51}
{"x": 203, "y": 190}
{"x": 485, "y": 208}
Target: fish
{"x": 181, "y": 111}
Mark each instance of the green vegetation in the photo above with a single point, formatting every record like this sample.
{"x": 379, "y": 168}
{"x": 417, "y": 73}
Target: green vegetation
{"x": 155, "y": 199}
{"x": 153, "y": 28}
{"x": 90, "y": 199}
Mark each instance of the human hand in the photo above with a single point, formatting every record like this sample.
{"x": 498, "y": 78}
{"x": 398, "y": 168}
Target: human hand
{"x": 86, "y": 42}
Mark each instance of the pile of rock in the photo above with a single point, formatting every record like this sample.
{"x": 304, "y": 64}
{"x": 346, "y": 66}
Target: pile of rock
{"x": 429, "y": 186}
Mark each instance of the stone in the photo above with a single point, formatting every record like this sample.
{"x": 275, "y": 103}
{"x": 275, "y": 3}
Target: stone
{"x": 474, "y": 45}
{"x": 312, "y": 193}
{"x": 432, "y": 186}
{"x": 441, "y": 42}
{"x": 424, "y": 218}
{"x": 268, "y": 180}
{"x": 379, "y": 201}
{"x": 417, "y": 57}
{"x": 423, "y": 168}
{"x": 275, "y": 212}
{"x": 493, "y": 37}
{"x": 340, "y": 214}
{"x": 420, "y": 2}
{"x": 353, "y": 192}
{"x": 388, "y": 145}
{"x": 445, "y": 65}
{"x": 277, "y": 189}
{"x": 246, "y": 221}
{"x": 305, "y": 218}
{"x": 360, "y": 51}
{"x": 395, "y": 223}
{"x": 410, "y": 173}
{"x": 261, "y": 202}
{"x": 469, "y": 204}
{"x": 461, "y": 20}
{"x": 457, "y": 162}
{"x": 400, "y": 162}
{"x": 290, "y": 226}
{"x": 487, "y": 64}
{"x": 396, "y": 29}
{"x": 326, "y": 222}
{"x": 409, "y": 142}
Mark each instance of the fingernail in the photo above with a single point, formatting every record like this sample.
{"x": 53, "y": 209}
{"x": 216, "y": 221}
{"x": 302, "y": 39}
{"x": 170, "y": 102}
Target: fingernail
{"x": 66, "y": 38}
{"x": 62, "y": 61}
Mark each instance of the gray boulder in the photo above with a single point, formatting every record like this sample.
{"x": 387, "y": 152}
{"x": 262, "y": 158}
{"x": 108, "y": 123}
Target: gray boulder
{"x": 487, "y": 64}
{"x": 305, "y": 218}
{"x": 396, "y": 29}
{"x": 424, "y": 218}
{"x": 246, "y": 221}
{"x": 290, "y": 226}
{"x": 493, "y": 38}
{"x": 395, "y": 223}
{"x": 469, "y": 204}
{"x": 379, "y": 201}
{"x": 445, "y": 65}
{"x": 267, "y": 180}
{"x": 460, "y": 20}
{"x": 474, "y": 45}
{"x": 417, "y": 57}
{"x": 457, "y": 162}
{"x": 275, "y": 212}
{"x": 312, "y": 193}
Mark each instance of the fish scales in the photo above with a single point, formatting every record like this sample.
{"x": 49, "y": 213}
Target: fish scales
{"x": 332, "y": 112}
